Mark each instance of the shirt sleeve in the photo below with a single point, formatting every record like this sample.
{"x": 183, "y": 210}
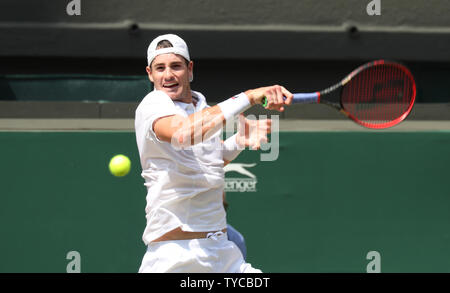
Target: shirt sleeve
{"x": 157, "y": 105}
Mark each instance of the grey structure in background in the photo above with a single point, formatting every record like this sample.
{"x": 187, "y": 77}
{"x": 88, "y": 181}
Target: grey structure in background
{"x": 306, "y": 45}
{"x": 274, "y": 29}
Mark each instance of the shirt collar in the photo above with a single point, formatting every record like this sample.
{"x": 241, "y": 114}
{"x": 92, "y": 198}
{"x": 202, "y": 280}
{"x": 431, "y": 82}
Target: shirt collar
{"x": 190, "y": 108}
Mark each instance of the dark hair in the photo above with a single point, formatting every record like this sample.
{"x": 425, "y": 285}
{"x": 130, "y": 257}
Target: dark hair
{"x": 164, "y": 44}
{"x": 167, "y": 44}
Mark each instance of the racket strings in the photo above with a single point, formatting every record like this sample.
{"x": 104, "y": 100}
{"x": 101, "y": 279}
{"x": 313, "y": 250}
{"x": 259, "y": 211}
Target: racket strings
{"x": 379, "y": 94}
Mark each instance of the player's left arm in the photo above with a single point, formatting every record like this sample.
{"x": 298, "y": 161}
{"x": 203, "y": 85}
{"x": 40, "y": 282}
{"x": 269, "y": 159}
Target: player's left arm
{"x": 251, "y": 134}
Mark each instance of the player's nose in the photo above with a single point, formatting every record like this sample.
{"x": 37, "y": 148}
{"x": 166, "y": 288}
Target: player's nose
{"x": 168, "y": 74}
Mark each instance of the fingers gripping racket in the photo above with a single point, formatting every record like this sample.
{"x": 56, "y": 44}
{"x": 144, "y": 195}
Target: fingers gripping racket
{"x": 378, "y": 94}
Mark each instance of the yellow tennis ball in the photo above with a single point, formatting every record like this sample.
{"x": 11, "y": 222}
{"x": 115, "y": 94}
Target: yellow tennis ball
{"x": 119, "y": 165}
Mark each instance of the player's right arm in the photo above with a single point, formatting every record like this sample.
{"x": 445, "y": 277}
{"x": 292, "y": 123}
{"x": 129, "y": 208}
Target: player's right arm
{"x": 197, "y": 127}
{"x": 184, "y": 131}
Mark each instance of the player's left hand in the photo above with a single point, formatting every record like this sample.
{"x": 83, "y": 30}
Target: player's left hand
{"x": 252, "y": 133}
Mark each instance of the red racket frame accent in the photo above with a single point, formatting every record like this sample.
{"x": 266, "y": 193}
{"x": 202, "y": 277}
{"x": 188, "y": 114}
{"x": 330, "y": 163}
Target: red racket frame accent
{"x": 390, "y": 123}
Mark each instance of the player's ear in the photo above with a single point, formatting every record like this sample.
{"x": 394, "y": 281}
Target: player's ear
{"x": 191, "y": 70}
{"x": 149, "y": 73}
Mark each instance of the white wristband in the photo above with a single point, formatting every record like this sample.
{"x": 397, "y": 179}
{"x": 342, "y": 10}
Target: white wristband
{"x": 231, "y": 149}
{"x": 234, "y": 106}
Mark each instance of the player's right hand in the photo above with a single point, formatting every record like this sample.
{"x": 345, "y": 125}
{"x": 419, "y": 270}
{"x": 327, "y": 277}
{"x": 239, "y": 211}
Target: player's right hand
{"x": 274, "y": 94}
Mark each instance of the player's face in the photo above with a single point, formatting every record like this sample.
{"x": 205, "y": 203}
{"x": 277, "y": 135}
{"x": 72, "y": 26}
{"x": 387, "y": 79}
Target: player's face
{"x": 170, "y": 74}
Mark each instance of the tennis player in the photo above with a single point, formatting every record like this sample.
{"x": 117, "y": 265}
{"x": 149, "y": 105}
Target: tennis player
{"x": 182, "y": 156}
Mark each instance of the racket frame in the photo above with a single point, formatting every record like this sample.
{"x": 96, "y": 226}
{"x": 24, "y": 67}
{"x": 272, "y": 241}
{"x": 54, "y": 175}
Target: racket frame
{"x": 331, "y": 96}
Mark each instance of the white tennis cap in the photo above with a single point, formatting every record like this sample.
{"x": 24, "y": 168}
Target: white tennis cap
{"x": 179, "y": 47}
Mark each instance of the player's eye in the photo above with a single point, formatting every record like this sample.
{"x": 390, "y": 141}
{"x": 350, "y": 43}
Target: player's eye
{"x": 176, "y": 66}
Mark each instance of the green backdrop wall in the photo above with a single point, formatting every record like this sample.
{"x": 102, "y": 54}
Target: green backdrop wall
{"x": 327, "y": 201}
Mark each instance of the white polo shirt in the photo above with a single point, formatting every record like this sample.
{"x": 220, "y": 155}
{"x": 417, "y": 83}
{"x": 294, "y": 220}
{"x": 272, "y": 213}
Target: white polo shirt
{"x": 184, "y": 186}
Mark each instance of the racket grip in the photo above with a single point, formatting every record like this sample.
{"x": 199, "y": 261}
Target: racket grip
{"x": 300, "y": 98}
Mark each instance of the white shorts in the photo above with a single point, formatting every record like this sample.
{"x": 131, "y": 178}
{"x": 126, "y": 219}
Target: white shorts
{"x": 215, "y": 254}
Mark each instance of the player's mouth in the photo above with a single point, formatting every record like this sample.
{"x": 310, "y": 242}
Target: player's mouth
{"x": 170, "y": 85}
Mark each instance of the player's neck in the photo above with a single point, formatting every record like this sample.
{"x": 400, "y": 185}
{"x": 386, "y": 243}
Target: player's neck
{"x": 187, "y": 98}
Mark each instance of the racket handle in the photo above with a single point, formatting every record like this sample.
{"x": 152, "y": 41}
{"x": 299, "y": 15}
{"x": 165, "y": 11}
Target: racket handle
{"x": 301, "y": 98}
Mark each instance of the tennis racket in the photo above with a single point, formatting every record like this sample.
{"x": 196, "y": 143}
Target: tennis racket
{"x": 378, "y": 94}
